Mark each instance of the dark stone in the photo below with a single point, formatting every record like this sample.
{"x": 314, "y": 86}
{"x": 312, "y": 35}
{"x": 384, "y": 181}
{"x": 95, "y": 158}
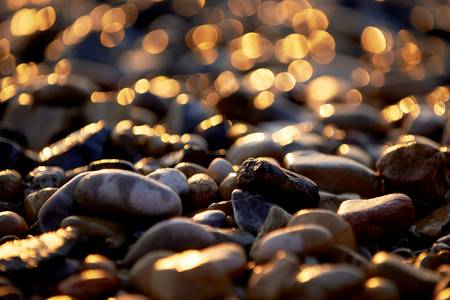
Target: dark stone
{"x": 214, "y": 218}
{"x": 250, "y": 210}
{"x": 12, "y": 156}
{"x": 184, "y": 116}
{"x": 283, "y": 187}
{"x": 188, "y": 154}
{"x": 215, "y": 131}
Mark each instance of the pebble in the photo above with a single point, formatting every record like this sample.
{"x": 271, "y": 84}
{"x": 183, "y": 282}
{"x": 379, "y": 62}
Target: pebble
{"x": 90, "y": 284}
{"x": 433, "y": 223}
{"x": 249, "y": 210}
{"x": 332, "y": 202}
{"x": 284, "y": 188}
{"x": 111, "y": 164}
{"x": 228, "y": 258}
{"x": 182, "y": 275}
{"x": 271, "y": 281}
{"x": 35, "y": 200}
{"x": 253, "y": 145}
{"x": 59, "y": 206}
{"x": 214, "y": 218}
{"x": 15, "y": 158}
{"x": 177, "y": 234}
{"x": 300, "y": 240}
{"x": 227, "y": 186}
{"x": 203, "y": 191}
{"x": 411, "y": 282}
{"x": 190, "y": 169}
{"x": 11, "y": 185}
{"x": 224, "y": 206}
{"x": 417, "y": 169}
{"x": 12, "y": 224}
{"x": 379, "y": 288}
{"x": 171, "y": 177}
{"x": 327, "y": 281}
{"x": 219, "y": 169}
{"x": 146, "y": 165}
{"x": 341, "y": 231}
{"x": 44, "y": 176}
{"x": 334, "y": 174}
{"x": 339, "y": 254}
{"x": 276, "y": 218}
{"x": 378, "y": 218}
{"x": 119, "y": 193}
{"x": 356, "y": 153}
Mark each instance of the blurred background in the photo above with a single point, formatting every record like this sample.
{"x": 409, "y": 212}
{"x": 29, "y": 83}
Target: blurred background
{"x": 170, "y": 65}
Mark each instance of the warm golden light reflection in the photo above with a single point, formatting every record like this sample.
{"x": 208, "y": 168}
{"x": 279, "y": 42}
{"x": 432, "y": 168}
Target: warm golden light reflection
{"x": 113, "y": 16}
{"x": 213, "y": 121}
{"x": 310, "y": 19}
{"x": 353, "y": 96}
{"x": 141, "y": 86}
{"x": 4, "y": 49}
{"x": 411, "y": 53}
{"x": 261, "y": 79}
{"x": 263, "y": 100}
{"x": 63, "y": 67}
{"x": 343, "y": 149}
{"x": 373, "y": 40}
{"x": 322, "y": 89}
{"x": 156, "y": 41}
{"x": 45, "y": 18}
{"x": 100, "y": 97}
{"x": 24, "y": 22}
{"x": 284, "y": 81}
{"x": 188, "y": 8}
{"x": 226, "y": 83}
{"x": 322, "y": 46}
{"x": 439, "y": 108}
{"x": 181, "y": 262}
{"x": 164, "y": 87}
{"x": 360, "y": 77}
{"x": 407, "y": 104}
{"x": 243, "y": 8}
{"x": 205, "y": 37}
{"x": 392, "y": 113}
{"x": 112, "y": 35}
{"x": 326, "y": 110}
{"x": 270, "y": 13}
{"x": 25, "y": 99}
{"x": 125, "y": 96}
{"x": 377, "y": 78}
{"x": 251, "y": 45}
{"x": 295, "y": 46}
{"x": 301, "y": 69}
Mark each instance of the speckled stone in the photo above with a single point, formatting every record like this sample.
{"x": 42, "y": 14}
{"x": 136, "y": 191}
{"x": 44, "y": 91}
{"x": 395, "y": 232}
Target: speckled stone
{"x": 119, "y": 193}
{"x": 377, "y": 218}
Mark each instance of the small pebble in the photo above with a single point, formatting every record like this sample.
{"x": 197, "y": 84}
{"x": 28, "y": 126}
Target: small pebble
{"x": 219, "y": 169}
{"x": 171, "y": 177}
{"x": 12, "y": 224}
{"x": 11, "y": 185}
{"x": 214, "y": 218}
{"x": 202, "y": 192}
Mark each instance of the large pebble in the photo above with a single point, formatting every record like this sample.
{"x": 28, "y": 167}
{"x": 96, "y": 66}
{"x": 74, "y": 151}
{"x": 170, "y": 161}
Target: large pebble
{"x": 333, "y": 173}
{"x": 378, "y": 218}
{"x": 119, "y": 193}
{"x": 417, "y": 169}
{"x": 285, "y": 188}
{"x": 249, "y": 210}
{"x": 340, "y": 230}
{"x": 253, "y": 145}
{"x": 412, "y": 282}
{"x": 300, "y": 240}
{"x": 59, "y": 206}
{"x": 12, "y": 224}
{"x": 171, "y": 177}
{"x": 323, "y": 282}
{"x": 177, "y": 234}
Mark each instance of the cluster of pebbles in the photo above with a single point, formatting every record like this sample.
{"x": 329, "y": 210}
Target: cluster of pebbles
{"x": 122, "y": 212}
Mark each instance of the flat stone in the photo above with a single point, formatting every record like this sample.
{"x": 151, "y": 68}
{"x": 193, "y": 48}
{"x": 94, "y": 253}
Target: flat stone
{"x": 177, "y": 234}
{"x": 119, "y": 193}
{"x": 411, "y": 282}
{"x": 340, "y": 230}
{"x": 417, "y": 169}
{"x": 432, "y": 224}
{"x": 333, "y": 173}
{"x": 380, "y": 217}
{"x": 171, "y": 177}
{"x": 284, "y": 188}
{"x": 321, "y": 282}
{"x": 300, "y": 240}
{"x": 253, "y": 145}
{"x": 249, "y": 210}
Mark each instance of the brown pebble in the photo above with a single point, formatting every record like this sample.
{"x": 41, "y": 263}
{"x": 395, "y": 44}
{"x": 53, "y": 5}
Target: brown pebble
{"x": 90, "y": 284}
{"x": 12, "y": 224}
{"x": 202, "y": 192}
